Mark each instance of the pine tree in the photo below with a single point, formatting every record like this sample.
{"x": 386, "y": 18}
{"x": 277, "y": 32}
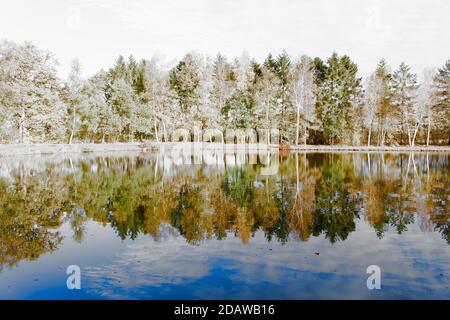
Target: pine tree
{"x": 224, "y": 81}
{"x": 338, "y": 91}
{"x": 384, "y": 108}
{"x": 280, "y": 67}
{"x": 441, "y": 99}
{"x": 122, "y": 104}
{"x": 404, "y": 84}
{"x": 238, "y": 110}
{"x": 96, "y": 114}
{"x": 184, "y": 81}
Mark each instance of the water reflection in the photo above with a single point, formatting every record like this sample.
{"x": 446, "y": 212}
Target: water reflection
{"x": 312, "y": 194}
{"x": 234, "y": 195}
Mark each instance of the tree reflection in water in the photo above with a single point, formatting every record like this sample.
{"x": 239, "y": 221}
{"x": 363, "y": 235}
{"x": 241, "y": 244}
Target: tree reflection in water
{"x": 311, "y": 195}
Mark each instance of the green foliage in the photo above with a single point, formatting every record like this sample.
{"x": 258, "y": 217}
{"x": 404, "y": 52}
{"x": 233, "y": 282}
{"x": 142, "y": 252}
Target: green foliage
{"x": 145, "y": 100}
{"x": 184, "y": 80}
{"x": 337, "y": 99}
{"x": 238, "y": 111}
{"x": 441, "y": 98}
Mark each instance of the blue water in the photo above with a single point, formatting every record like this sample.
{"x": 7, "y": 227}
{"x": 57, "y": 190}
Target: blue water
{"x": 414, "y": 263}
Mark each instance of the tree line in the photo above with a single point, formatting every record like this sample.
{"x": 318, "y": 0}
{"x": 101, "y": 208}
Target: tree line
{"x": 309, "y": 100}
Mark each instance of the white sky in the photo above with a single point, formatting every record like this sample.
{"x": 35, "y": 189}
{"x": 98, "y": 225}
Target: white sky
{"x": 97, "y": 31}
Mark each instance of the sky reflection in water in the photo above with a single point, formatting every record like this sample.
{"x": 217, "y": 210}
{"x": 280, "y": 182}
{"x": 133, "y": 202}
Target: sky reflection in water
{"x": 159, "y": 227}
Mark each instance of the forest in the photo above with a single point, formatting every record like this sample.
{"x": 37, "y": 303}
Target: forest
{"x": 308, "y": 100}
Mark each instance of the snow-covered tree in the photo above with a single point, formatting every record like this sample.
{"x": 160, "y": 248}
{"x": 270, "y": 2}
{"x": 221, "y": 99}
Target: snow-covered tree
{"x": 184, "y": 81}
{"x": 224, "y": 82}
{"x": 371, "y": 103}
{"x": 302, "y": 90}
{"x": 423, "y": 106}
{"x": 337, "y": 99}
{"x": 264, "y": 90}
{"x": 404, "y": 84}
{"x": 30, "y": 92}
{"x": 384, "y": 108}
{"x": 74, "y": 98}
{"x": 441, "y": 100}
{"x": 96, "y": 114}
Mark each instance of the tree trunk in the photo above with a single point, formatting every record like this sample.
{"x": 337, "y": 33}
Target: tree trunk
{"x": 305, "y": 138}
{"x": 156, "y": 132}
{"x": 73, "y": 125}
{"x": 21, "y": 127}
{"x": 409, "y": 135}
{"x": 164, "y": 131}
{"x": 428, "y": 131}
{"x": 368, "y": 138}
{"x": 413, "y": 139}
{"x": 297, "y": 130}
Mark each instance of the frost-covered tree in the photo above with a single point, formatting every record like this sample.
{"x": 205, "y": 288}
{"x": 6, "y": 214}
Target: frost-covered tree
{"x": 155, "y": 112}
{"x": 441, "y": 100}
{"x": 74, "y": 98}
{"x": 302, "y": 89}
{"x": 30, "y": 92}
{"x": 238, "y": 111}
{"x": 184, "y": 81}
{"x": 224, "y": 81}
{"x": 264, "y": 89}
{"x": 371, "y": 103}
{"x": 284, "y": 114}
{"x": 404, "y": 84}
{"x": 338, "y": 91}
{"x": 422, "y": 112}
{"x": 384, "y": 108}
{"x": 122, "y": 102}
{"x": 96, "y": 113}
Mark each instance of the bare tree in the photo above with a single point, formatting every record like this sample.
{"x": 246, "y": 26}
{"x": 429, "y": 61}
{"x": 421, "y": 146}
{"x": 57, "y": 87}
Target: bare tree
{"x": 302, "y": 92}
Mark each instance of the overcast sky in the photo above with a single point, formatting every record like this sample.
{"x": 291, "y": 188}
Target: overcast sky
{"x": 97, "y": 31}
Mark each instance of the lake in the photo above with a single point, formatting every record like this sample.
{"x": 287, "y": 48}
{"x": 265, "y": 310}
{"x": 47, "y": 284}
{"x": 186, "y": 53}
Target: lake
{"x": 225, "y": 225}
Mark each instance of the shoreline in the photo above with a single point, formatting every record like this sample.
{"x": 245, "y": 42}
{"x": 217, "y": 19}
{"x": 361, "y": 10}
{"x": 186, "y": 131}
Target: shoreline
{"x": 48, "y": 148}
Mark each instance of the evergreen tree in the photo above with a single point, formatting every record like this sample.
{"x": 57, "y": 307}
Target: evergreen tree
{"x": 338, "y": 91}
{"x": 96, "y": 114}
{"x": 184, "y": 81}
{"x": 404, "y": 84}
{"x": 441, "y": 99}
{"x": 238, "y": 111}
{"x": 384, "y": 108}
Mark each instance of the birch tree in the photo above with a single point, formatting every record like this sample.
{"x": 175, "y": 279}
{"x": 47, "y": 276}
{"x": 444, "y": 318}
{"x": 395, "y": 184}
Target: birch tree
{"x": 74, "y": 97}
{"x": 423, "y": 107}
{"x": 371, "y": 103}
{"x": 302, "y": 90}
{"x": 264, "y": 91}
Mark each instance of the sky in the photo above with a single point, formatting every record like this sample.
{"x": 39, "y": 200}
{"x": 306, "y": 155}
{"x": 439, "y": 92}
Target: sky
{"x": 97, "y": 31}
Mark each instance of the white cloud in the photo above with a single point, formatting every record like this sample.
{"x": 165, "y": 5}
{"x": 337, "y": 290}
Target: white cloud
{"x": 411, "y": 31}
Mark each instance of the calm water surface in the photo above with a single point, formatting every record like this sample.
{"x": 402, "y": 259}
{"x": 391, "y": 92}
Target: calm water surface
{"x": 234, "y": 225}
